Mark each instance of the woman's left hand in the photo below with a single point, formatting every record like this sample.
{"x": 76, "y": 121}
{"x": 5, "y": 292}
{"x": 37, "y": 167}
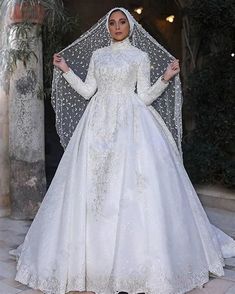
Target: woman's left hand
{"x": 172, "y": 69}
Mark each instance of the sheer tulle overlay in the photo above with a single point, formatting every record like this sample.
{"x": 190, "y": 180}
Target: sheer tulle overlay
{"x": 121, "y": 213}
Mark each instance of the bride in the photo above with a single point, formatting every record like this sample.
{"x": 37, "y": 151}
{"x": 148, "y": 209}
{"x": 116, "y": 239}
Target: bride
{"x": 121, "y": 213}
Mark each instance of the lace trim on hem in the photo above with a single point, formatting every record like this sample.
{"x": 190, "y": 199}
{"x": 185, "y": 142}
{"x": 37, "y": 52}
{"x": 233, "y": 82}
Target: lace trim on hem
{"x": 53, "y": 286}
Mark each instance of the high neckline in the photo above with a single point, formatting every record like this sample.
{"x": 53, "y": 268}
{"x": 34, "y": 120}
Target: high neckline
{"x": 115, "y": 45}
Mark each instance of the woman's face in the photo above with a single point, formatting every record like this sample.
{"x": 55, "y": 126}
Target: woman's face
{"x": 119, "y": 27}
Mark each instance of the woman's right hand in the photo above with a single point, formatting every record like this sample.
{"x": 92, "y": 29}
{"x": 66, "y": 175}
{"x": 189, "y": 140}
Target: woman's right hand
{"x": 59, "y": 62}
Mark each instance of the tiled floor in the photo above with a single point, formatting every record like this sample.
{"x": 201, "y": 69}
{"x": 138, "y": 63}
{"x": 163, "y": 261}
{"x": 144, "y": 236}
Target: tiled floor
{"x": 12, "y": 233}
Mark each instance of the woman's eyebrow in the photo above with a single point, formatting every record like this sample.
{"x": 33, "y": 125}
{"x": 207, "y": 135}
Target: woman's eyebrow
{"x": 119, "y": 19}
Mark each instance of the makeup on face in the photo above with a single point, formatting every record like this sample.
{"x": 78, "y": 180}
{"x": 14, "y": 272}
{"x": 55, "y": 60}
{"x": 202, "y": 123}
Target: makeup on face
{"x": 119, "y": 27}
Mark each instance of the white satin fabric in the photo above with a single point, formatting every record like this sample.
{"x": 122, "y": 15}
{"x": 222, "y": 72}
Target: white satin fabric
{"x": 121, "y": 213}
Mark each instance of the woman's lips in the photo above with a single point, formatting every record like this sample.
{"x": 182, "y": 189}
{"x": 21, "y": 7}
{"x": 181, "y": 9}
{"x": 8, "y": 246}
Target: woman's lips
{"x": 118, "y": 33}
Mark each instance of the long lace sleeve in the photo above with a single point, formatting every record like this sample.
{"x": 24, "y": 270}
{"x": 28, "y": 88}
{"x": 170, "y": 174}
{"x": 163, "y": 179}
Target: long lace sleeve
{"x": 87, "y": 88}
{"x": 146, "y": 92}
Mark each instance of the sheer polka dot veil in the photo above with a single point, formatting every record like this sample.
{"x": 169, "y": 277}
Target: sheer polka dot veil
{"x": 69, "y": 105}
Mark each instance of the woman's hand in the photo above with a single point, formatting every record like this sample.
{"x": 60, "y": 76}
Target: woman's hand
{"x": 59, "y": 62}
{"x": 172, "y": 69}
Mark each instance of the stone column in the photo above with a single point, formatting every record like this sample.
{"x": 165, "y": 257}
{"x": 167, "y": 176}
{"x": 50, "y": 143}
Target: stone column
{"x": 4, "y": 160}
{"x": 26, "y": 130}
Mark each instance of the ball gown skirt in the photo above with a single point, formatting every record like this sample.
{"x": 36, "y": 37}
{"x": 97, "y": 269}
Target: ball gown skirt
{"x": 120, "y": 215}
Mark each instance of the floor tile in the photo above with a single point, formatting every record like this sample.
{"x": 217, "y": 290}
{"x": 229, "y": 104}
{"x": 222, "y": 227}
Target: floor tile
{"x": 216, "y": 286}
{"x": 5, "y": 289}
{"x": 2, "y": 278}
{"x": 223, "y": 219}
{"x": 22, "y": 287}
{"x": 231, "y": 290}
{"x": 31, "y": 292}
{"x": 11, "y": 282}
{"x": 229, "y": 275}
{"x": 7, "y": 270}
{"x": 230, "y": 261}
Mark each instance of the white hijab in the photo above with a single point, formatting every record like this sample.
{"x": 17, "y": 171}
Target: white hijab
{"x": 127, "y": 14}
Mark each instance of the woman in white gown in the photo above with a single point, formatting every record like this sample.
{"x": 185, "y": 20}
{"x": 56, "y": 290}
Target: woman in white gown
{"x": 121, "y": 213}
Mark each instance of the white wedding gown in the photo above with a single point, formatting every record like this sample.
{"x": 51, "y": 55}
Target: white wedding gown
{"x": 121, "y": 213}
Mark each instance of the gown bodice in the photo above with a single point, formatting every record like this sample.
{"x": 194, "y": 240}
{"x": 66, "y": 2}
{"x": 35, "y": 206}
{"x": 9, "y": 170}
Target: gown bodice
{"x": 118, "y": 68}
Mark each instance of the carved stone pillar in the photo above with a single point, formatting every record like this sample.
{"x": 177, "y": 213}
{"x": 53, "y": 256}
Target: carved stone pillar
{"x": 26, "y": 130}
{"x": 4, "y": 159}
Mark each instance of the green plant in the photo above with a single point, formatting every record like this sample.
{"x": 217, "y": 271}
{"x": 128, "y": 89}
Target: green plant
{"x": 22, "y": 52}
{"x": 57, "y": 23}
{"x": 212, "y": 23}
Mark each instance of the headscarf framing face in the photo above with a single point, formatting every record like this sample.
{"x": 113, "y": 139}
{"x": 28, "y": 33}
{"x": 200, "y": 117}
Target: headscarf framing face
{"x": 69, "y": 105}
{"x": 127, "y": 14}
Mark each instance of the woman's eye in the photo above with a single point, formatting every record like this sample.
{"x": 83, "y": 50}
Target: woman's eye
{"x": 111, "y": 23}
{"x": 123, "y": 22}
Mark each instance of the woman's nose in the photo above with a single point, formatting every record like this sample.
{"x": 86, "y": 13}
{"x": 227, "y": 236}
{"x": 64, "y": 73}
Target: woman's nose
{"x": 117, "y": 26}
